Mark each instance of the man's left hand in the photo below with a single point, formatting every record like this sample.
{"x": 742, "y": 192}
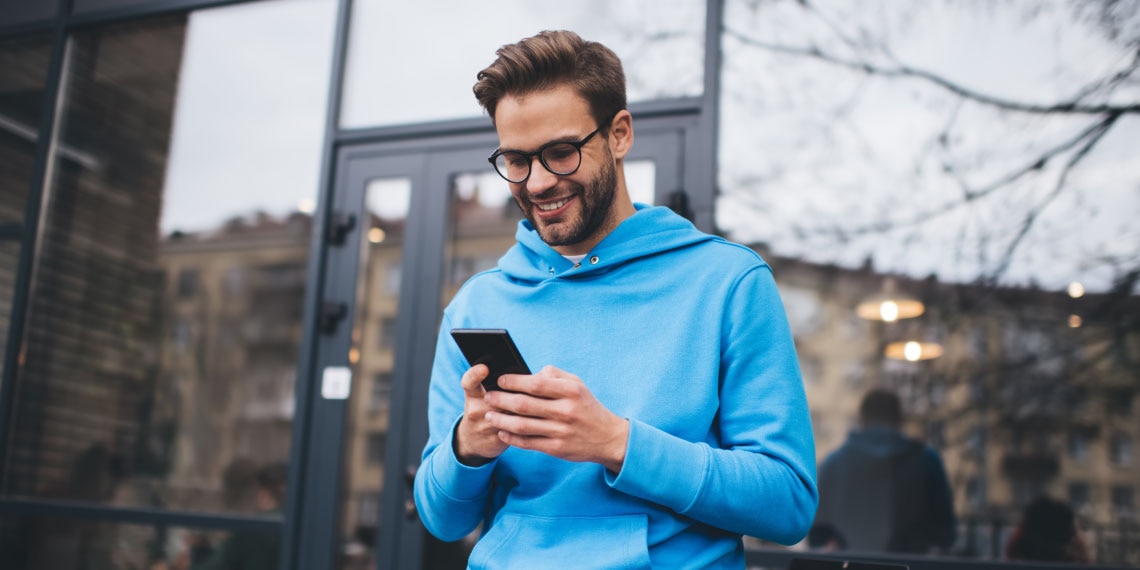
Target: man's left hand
{"x": 554, "y": 412}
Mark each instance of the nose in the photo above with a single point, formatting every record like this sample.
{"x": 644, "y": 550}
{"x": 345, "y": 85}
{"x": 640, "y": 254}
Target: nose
{"x": 540, "y": 179}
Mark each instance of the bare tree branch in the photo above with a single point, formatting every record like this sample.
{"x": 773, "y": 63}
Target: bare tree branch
{"x": 1094, "y": 136}
{"x": 1073, "y": 106}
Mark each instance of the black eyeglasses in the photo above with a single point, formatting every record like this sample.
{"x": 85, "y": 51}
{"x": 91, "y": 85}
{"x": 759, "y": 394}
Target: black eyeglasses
{"x": 559, "y": 157}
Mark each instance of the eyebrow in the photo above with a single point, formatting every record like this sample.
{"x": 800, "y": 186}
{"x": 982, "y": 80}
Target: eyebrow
{"x": 564, "y": 139}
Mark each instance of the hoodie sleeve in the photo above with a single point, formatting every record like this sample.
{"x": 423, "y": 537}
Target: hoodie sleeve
{"x": 760, "y": 479}
{"x": 450, "y": 496}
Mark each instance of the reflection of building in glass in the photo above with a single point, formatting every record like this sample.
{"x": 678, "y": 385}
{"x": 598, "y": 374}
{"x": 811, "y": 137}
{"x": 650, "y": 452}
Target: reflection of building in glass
{"x": 89, "y": 371}
{"x": 479, "y": 236}
{"x": 1025, "y": 399}
{"x": 232, "y": 319}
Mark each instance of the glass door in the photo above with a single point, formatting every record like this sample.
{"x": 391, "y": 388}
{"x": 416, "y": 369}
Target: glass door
{"x": 421, "y": 219}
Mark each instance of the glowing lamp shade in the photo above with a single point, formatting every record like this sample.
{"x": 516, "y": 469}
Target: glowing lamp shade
{"x": 913, "y": 351}
{"x": 890, "y": 309}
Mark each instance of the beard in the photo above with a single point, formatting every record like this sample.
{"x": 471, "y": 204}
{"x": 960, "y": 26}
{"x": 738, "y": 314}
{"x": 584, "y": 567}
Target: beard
{"x": 595, "y": 203}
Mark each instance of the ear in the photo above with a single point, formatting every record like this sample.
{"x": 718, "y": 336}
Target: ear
{"x": 621, "y": 134}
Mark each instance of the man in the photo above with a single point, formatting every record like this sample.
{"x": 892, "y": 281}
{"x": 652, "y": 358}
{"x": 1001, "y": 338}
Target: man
{"x": 667, "y": 416}
{"x": 883, "y": 491}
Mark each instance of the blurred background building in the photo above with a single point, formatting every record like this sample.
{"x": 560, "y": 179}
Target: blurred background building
{"x": 228, "y": 228}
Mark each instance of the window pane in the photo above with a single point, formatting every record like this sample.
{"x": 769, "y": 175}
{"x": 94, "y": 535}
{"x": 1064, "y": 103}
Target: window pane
{"x": 165, "y": 321}
{"x": 661, "y": 44}
{"x": 23, "y": 72}
{"x": 26, "y": 11}
{"x": 867, "y": 164}
{"x": 55, "y": 543}
{"x": 373, "y": 358}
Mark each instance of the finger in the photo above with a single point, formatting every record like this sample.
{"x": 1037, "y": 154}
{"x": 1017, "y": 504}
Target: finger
{"x": 524, "y": 426}
{"x": 549, "y": 383}
{"x": 472, "y": 380}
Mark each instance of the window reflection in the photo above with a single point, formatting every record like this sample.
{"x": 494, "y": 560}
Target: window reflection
{"x": 74, "y": 544}
{"x": 661, "y": 44}
{"x": 374, "y": 340}
{"x": 164, "y": 324}
{"x": 844, "y": 174}
{"x": 23, "y": 72}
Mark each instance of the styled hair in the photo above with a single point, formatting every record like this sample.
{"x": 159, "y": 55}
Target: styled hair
{"x": 552, "y": 59}
{"x": 881, "y": 407}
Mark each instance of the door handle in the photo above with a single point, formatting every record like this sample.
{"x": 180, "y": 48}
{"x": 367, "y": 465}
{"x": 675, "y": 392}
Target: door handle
{"x": 332, "y": 313}
{"x": 409, "y": 503}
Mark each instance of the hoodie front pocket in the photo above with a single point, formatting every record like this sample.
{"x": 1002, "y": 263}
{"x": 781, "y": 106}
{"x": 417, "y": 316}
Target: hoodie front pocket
{"x": 525, "y": 541}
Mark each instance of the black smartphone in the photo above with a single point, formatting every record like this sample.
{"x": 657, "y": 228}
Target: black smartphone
{"x": 493, "y": 347}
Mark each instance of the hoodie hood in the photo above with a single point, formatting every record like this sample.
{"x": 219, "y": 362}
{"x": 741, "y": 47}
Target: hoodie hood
{"x": 879, "y": 441}
{"x": 650, "y": 231}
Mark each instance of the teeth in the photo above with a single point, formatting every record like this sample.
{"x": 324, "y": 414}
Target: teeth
{"x": 552, "y": 205}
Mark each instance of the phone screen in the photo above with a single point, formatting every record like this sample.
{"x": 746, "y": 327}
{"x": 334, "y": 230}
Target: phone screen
{"x": 493, "y": 347}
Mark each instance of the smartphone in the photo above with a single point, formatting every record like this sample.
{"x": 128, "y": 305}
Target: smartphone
{"x": 493, "y": 347}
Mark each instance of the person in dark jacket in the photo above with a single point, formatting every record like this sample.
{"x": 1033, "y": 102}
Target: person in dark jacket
{"x": 884, "y": 492}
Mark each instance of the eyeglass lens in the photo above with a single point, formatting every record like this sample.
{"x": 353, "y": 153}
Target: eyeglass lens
{"x": 558, "y": 158}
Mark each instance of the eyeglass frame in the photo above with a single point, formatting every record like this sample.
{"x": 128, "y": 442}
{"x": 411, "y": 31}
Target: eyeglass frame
{"x": 529, "y": 156}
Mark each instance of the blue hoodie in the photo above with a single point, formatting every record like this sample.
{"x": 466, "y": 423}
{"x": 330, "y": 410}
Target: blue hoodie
{"x": 680, "y": 332}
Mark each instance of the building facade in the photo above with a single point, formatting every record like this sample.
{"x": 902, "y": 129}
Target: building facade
{"x": 228, "y": 229}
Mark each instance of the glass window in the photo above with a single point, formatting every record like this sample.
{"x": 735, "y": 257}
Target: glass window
{"x": 1120, "y": 449}
{"x": 381, "y": 391}
{"x": 377, "y": 443}
{"x": 23, "y": 73}
{"x": 27, "y": 11}
{"x": 56, "y": 543}
{"x": 661, "y": 44}
{"x": 177, "y": 161}
{"x": 1079, "y": 494}
{"x": 854, "y": 150}
{"x": 1079, "y": 445}
{"x": 386, "y": 201}
{"x": 1123, "y": 499}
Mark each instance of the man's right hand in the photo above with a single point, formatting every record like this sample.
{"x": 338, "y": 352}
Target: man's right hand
{"x": 476, "y": 442}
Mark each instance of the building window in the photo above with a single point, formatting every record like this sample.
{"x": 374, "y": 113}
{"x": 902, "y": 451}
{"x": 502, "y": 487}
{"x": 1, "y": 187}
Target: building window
{"x": 1079, "y": 494}
{"x": 381, "y": 392}
{"x": 1119, "y": 402}
{"x": 936, "y": 434}
{"x": 1123, "y": 500}
{"x": 387, "y": 332}
{"x": 368, "y": 509}
{"x": 1079, "y": 445}
{"x": 392, "y": 277}
{"x": 377, "y": 443}
{"x": 1120, "y": 449}
{"x": 187, "y": 283}
{"x": 976, "y": 442}
{"x": 976, "y": 493}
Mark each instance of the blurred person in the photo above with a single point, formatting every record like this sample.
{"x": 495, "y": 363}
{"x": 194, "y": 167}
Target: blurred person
{"x": 666, "y": 416}
{"x": 1047, "y": 533}
{"x": 883, "y": 491}
{"x": 244, "y": 550}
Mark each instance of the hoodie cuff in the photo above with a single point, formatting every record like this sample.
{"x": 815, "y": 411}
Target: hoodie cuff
{"x": 660, "y": 467}
{"x": 460, "y": 482}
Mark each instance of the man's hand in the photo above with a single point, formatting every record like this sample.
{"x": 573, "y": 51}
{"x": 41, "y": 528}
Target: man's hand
{"x": 476, "y": 441}
{"x": 553, "y": 412}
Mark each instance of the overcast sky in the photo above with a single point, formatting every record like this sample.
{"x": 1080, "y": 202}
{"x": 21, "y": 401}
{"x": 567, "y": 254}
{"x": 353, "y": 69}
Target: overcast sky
{"x": 810, "y": 146}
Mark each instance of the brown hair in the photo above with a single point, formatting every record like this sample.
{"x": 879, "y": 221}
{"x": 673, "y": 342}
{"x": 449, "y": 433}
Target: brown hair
{"x": 551, "y": 59}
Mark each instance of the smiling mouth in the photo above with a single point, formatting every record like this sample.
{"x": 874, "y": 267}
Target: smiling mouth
{"x": 550, "y": 207}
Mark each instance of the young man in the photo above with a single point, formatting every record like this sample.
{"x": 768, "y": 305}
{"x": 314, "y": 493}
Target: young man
{"x": 883, "y": 491}
{"x": 667, "y": 416}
